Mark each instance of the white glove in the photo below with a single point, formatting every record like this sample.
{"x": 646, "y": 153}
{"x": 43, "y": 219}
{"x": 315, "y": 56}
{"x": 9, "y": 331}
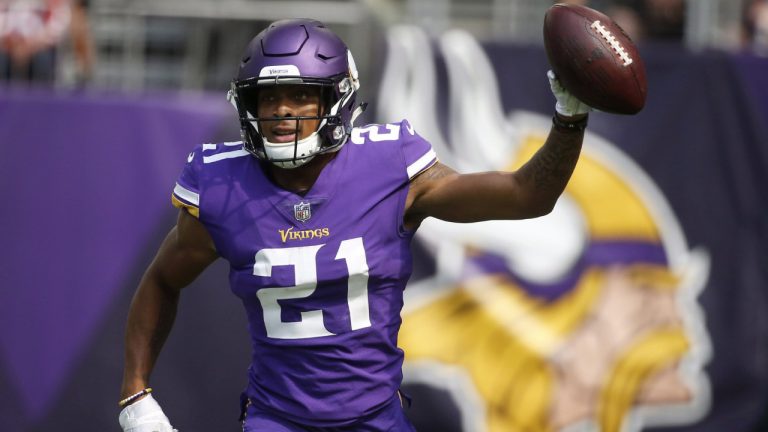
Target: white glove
{"x": 145, "y": 416}
{"x": 567, "y": 105}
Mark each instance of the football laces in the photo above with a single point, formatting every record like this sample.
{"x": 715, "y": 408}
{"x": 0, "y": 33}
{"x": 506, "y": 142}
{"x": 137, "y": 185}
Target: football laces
{"x": 615, "y": 45}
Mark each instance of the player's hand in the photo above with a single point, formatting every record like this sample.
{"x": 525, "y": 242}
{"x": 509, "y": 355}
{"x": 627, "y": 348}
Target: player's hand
{"x": 567, "y": 104}
{"x": 145, "y": 416}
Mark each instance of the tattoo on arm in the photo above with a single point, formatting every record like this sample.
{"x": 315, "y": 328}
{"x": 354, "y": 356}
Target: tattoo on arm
{"x": 419, "y": 185}
{"x": 551, "y": 167}
{"x": 434, "y": 172}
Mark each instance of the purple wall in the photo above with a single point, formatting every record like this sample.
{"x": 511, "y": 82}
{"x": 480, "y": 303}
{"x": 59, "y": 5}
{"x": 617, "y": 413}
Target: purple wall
{"x": 86, "y": 181}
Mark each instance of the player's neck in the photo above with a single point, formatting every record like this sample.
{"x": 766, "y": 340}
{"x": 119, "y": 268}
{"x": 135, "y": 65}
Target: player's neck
{"x": 300, "y": 180}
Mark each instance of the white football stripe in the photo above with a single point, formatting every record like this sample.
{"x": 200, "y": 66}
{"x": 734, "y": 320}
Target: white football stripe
{"x": 226, "y": 144}
{"x": 421, "y": 163}
{"x": 187, "y": 195}
{"x": 225, "y": 155}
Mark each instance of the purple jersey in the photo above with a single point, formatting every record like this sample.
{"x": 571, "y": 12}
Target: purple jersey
{"x": 321, "y": 275}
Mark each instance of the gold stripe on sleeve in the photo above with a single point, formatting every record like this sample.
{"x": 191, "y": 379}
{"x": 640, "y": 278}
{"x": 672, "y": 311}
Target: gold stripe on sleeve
{"x": 194, "y": 211}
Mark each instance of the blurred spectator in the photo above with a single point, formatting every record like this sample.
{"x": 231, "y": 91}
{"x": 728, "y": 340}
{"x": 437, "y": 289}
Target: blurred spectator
{"x": 756, "y": 26}
{"x": 31, "y": 32}
{"x": 628, "y": 18}
{"x": 662, "y": 19}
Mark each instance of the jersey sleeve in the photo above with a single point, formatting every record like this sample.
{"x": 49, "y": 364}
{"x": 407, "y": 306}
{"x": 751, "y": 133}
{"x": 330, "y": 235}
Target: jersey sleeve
{"x": 186, "y": 192}
{"x": 417, "y": 152}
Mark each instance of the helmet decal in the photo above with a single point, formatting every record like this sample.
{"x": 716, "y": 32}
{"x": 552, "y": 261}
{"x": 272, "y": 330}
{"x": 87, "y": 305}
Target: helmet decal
{"x": 279, "y": 70}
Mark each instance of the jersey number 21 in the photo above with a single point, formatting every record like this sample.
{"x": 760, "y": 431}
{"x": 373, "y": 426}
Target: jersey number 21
{"x": 304, "y": 265}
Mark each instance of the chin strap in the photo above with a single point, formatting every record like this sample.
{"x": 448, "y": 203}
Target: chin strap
{"x": 282, "y": 154}
{"x": 359, "y": 110}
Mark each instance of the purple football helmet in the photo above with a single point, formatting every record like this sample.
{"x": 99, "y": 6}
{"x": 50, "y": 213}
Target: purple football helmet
{"x": 297, "y": 52}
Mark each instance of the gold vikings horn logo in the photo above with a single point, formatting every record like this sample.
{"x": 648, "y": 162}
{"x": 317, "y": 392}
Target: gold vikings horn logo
{"x": 586, "y": 319}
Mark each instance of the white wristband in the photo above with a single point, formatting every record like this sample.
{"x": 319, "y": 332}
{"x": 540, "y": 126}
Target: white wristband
{"x": 144, "y": 416}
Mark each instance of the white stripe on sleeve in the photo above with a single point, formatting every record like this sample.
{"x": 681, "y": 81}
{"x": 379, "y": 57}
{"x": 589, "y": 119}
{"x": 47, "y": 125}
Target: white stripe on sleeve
{"x": 225, "y": 155}
{"x": 187, "y": 195}
{"x": 421, "y": 163}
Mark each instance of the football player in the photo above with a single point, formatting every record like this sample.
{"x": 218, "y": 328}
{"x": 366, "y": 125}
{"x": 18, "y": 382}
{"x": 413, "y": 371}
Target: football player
{"x": 315, "y": 218}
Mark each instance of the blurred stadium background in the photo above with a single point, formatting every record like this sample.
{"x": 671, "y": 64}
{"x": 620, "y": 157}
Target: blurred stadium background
{"x": 100, "y": 101}
{"x": 192, "y": 44}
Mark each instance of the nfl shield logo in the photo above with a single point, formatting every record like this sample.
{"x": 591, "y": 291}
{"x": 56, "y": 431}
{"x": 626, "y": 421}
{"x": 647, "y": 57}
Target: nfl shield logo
{"x": 302, "y": 211}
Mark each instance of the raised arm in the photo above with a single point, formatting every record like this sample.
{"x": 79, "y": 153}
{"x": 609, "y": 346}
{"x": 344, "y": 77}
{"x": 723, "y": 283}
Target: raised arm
{"x": 529, "y": 192}
{"x": 186, "y": 251}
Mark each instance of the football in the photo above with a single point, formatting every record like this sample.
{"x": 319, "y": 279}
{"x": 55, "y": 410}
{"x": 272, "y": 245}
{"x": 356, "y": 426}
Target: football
{"x": 594, "y": 59}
